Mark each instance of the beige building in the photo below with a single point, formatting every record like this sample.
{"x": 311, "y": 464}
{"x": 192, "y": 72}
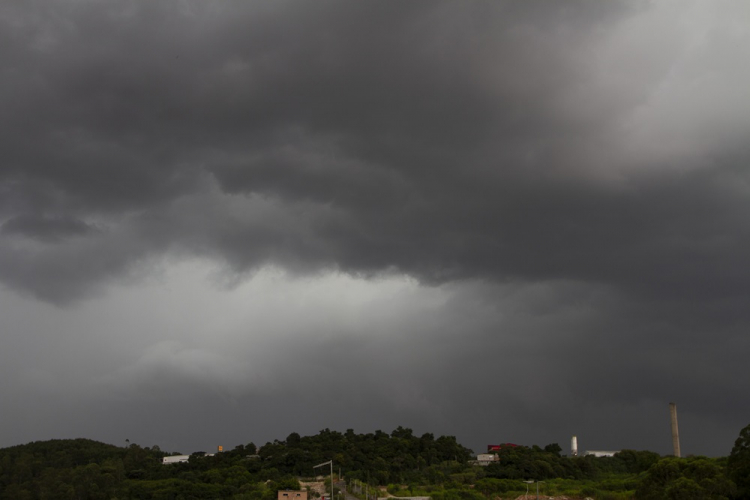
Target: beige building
{"x": 292, "y": 495}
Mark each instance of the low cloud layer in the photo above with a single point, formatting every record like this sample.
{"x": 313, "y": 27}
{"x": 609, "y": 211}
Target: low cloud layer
{"x": 508, "y": 221}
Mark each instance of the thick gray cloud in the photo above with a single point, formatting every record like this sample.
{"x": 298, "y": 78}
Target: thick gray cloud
{"x": 562, "y": 186}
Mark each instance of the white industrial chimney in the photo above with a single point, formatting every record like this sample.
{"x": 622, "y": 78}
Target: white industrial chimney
{"x": 574, "y": 446}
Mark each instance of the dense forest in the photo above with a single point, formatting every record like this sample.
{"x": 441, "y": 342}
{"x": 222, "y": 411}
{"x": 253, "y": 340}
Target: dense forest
{"x": 396, "y": 464}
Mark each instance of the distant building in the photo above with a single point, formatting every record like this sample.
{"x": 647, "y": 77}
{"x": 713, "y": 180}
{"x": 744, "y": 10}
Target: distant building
{"x": 599, "y": 453}
{"x": 292, "y": 495}
{"x": 498, "y": 447}
{"x": 174, "y": 459}
{"x": 485, "y": 459}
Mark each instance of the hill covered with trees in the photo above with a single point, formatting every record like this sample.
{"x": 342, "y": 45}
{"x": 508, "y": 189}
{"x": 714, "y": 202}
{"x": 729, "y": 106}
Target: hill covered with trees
{"x": 85, "y": 469}
{"x": 399, "y": 462}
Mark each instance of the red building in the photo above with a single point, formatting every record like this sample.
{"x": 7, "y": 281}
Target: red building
{"x": 498, "y": 447}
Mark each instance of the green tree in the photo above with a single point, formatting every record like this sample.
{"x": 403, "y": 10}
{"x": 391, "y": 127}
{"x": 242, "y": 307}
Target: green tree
{"x": 738, "y": 464}
{"x": 691, "y": 478}
{"x": 637, "y": 461}
{"x": 553, "y": 448}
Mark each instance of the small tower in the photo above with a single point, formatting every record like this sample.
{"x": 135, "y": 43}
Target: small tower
{"x": 574, "y": 446}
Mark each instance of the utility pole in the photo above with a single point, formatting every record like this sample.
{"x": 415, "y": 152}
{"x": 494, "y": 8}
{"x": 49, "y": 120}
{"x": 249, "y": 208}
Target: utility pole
{"x": 527, "y": 487}
{"x": 531, "y": 481}
{"x": 330, "y": 462}
{"x": 537, "y": 489}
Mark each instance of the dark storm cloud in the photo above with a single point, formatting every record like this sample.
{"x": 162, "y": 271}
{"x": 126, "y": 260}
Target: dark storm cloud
{"x": 46, "y": 228}
{"x": 440, "y": 140}
{"x": 593, "y": 150}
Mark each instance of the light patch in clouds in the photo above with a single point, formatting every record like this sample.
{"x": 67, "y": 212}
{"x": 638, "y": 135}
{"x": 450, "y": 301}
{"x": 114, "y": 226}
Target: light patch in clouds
{"x": 169, "y": 369}
{"x": 179, "y": 332}
{"x": 697, "y": 105}
{"x": 387, "y": 340}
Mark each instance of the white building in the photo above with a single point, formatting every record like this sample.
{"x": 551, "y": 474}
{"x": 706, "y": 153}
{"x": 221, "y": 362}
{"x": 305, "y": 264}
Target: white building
{"x": 175, "y": 459}
{"x": 486, "y": 459}
{"x": 598, "y": 453}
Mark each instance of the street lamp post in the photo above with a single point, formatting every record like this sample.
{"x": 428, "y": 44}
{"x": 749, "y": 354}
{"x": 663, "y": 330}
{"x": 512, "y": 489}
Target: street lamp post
{"x": 330, "y": 462}
{"x": 531, "y": 481}
{"x": 537, "y": 489}
{"x": 527, "y": 487}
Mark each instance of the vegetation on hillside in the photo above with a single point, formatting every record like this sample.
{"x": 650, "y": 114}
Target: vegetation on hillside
{"x": 402, "y": 463}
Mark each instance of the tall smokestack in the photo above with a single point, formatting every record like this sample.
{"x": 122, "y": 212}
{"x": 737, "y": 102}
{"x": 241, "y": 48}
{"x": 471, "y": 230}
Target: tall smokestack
{"x": 574, "y": 446}
{"x": 675, "y": 432}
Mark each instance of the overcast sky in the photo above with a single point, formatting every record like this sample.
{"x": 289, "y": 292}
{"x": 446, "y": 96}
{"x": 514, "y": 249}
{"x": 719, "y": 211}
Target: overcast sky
{"x": 223, "y": 222}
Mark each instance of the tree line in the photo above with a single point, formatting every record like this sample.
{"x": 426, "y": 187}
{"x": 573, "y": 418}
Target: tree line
{"x": 405, "y": 464}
